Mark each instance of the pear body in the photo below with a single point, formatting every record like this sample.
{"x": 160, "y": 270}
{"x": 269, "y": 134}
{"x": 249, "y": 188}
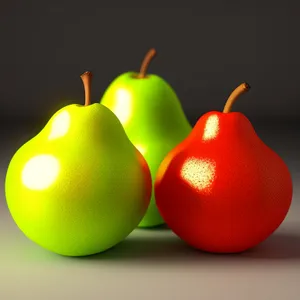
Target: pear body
{"x": 153, "y": 119}
{"x": 79, "y": 187}
{"x": 222, "y": 189}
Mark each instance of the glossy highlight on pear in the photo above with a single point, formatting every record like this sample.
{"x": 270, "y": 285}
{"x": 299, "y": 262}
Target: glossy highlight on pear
{"x": 142, "y": 101}
{"x": 40, "y": 172}
{"x": 79, "y": 187}
{"x": 223, "y": 190}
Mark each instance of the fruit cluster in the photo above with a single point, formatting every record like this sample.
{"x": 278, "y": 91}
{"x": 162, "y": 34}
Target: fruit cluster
{"x": 97, "y": 171}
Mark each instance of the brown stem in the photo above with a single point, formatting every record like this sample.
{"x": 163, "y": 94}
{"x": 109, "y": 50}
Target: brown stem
{"x": 86, "y": 78}
{"x": 145, "y": 64}
{"x": 241, "y": 89}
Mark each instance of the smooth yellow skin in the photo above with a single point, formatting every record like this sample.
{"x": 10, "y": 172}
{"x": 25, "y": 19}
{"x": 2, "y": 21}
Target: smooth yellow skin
{"x": 79, "y": 187}
{"x": 153, "y": 119}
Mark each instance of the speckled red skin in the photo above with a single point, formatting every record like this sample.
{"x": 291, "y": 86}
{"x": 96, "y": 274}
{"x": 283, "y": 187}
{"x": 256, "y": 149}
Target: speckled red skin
{"x": 248, "y": 197}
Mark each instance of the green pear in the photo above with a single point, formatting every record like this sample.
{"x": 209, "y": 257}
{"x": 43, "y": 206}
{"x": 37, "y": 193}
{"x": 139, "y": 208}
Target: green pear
{"x": 79, "y": 187}
{"x": 152, "y": 117}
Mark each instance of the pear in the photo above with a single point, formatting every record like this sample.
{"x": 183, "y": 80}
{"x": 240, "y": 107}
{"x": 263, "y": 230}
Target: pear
{"x": 79, "y": 187}
{"x": 222, "y": 189}
{"x": 152, "y": 117}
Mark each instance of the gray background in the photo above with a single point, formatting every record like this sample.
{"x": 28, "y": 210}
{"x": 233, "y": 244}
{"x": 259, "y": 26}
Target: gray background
{"x": 203, "y": 53}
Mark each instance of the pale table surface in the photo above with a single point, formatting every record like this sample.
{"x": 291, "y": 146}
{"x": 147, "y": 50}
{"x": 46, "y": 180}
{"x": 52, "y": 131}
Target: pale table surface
{"x": 155, "y": 264}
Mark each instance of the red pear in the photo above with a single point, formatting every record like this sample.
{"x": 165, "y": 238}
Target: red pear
{"x": 222, "y": 189}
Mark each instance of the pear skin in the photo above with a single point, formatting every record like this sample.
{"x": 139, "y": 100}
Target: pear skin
{"x": 152, "y": 117}
{"x": 222, "y": 189}
{"x": 79, "y": 187}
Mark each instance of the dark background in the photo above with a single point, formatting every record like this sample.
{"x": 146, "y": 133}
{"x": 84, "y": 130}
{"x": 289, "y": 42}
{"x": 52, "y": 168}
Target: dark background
{"x": 204, "y": 52}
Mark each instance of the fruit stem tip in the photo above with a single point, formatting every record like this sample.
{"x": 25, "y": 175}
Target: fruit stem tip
{"x": 247, "y": 86}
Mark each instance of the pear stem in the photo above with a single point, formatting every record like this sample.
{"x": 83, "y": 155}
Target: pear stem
{"x": 86, "y": 78}
{"x": 146, "y": 62}
{"x": 241, "y": 89}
